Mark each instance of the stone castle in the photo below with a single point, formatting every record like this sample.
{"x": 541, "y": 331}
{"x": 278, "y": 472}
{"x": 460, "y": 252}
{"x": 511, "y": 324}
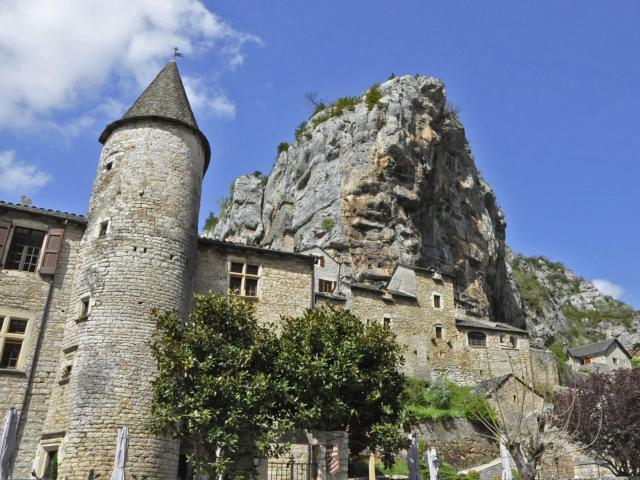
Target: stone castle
{"x": 75, "y": 295}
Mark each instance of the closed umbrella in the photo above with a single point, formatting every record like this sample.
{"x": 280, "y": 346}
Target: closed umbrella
{"x": 434, "y": 464}
{"x": 412, "y": 459}
{"x": 506, "y": 464}
{"x": 121, "y": 454}
{"x": 8, "y": 443}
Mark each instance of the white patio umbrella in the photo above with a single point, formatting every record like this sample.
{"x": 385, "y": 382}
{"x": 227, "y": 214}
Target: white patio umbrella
{"x": 434, "y": 464}
{"x": 8, "y": 443}
{"x": 122, "y": 448}
{"x": 413, "y": 462}
{"x": 506, "y": 464}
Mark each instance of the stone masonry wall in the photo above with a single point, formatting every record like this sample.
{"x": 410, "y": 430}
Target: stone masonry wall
{"x": 148, "y": 188}
{"x": 284, "y": 287}
{"x": 24, "y": 295}
{"x": 412, "y": 320}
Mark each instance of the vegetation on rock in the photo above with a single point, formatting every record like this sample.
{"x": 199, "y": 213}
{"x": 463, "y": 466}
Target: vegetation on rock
{"x": 283, "y": 147}
{"x": 210, "y": 222}
{"x": 373, "y": 96}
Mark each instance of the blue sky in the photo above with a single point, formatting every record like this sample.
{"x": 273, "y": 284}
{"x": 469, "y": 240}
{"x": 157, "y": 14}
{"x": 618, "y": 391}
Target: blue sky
{"x": 547, "y": 92}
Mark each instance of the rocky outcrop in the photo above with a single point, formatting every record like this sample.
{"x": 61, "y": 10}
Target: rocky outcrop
{"x": 561, "y": 306}
{"x": 384, "y": 178}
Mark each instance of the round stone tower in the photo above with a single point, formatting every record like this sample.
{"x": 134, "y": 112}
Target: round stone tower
{"x": 138, "y": 253}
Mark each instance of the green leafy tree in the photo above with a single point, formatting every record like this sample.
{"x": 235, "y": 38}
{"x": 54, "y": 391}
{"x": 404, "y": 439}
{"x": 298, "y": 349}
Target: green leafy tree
{"x": 215, "y": 387}
{"x": 344, "y": 375}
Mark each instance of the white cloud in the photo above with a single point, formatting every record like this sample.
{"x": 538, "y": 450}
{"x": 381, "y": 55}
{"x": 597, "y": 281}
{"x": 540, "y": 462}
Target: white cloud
{"x": 205, "y": 100}
{"x": 18, "y": 177}
{"x": 608, "y": 288}
{"x": 56, "y": 54}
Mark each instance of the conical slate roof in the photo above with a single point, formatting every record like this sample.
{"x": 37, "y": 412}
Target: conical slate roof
{"x": 165, "y": 99}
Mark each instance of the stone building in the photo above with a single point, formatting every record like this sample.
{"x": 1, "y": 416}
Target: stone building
{"x": 75, "y": 295}
{"x": 601, "y": 356}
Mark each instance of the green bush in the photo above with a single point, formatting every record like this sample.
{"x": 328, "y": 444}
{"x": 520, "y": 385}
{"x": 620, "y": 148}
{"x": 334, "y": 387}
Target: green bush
{"x": 211, "y": 222}
{"x": 442, "y": 394}
{"x": 328, "y": 223}
{"x": 300, "y": 131}
{"x": 344, "y": 104}
{"x": 635, "y": 361}
{"x": 373, "y": 96}
{"x": 283, "y": 147}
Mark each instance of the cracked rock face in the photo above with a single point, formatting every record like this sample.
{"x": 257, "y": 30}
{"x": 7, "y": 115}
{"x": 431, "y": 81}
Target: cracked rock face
{"x": 373, "y": 187}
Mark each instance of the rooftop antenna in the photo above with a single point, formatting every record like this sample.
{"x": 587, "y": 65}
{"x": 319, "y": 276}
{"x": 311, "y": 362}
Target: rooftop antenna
{"x": 176, "y": 53}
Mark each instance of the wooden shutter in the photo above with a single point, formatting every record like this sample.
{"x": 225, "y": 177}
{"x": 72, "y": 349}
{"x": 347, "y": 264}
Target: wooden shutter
{"x": 5, "y": 228}
{"x": 51, "y": 251}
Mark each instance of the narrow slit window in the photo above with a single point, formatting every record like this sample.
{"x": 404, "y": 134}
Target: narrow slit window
{"x": 386, "y": 320}
{"x": 108, "y": 166}
{"x": 437, "y": 301}
{"x": 439, "y": 332}
{"x": 103, "y": 228}
{"x": 85, "y": 307}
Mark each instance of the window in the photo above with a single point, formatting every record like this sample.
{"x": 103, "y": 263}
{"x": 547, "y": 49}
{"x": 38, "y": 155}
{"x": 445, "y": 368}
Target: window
{"x": 47, "y": 459}
{"x": 615, "y": 361}
{"x": 85, "y": 308}
{"x": 24, "y": 250}
{"x": 243, "y": 279}
{"x": 508, "y": 341}
{"x": 437, "y": 301}
{"x": 477, "y": 339}
{"x": 586, "y": 361}
{"x": 326, "y": 286}
{"x": 103, "y": 228}
{"x": 12, "y": 335}
{"x": 439, "y": 332}
{"x": 108, "y": 166}
{"x": 386, "y": 321}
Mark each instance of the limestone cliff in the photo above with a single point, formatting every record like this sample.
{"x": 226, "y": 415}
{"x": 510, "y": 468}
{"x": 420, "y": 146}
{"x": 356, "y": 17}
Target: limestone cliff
{"x": 562, "y": 306}
{"x": 381, "y": 178}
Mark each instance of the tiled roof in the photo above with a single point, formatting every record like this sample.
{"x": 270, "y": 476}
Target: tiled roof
{"x": 251, "y": 248}
{"x": 165, "y": 98}
{"x": 487, "y": 325}
{"x": 595, "y": 349}
{"x": 72, "y": 217}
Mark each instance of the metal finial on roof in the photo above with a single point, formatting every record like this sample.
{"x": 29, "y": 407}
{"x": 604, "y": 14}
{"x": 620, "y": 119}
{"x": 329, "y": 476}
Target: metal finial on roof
{"x": 176, "y": 53}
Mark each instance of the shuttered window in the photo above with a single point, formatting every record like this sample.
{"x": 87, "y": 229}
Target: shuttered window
{"x": 5, "y": 227}
{"x": 51, "y": 253}
{"x": 24, "y": 249}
